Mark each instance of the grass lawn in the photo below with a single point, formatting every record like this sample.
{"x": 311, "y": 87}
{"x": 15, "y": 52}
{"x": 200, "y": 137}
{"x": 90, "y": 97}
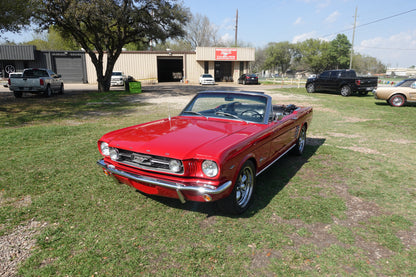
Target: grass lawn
{"x": 347, "y": 207}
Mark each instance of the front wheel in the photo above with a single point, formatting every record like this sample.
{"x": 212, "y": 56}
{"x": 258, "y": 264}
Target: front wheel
{"x": 397, "y": 100}
{"x": 240, "y": 198}
{"x": 310, "y": 88}
{"x": 346, "y": 91}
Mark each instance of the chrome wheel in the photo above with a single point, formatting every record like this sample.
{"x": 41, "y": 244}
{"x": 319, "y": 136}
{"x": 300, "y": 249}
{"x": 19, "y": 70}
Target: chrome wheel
{"x": 310, "y": 88}
{"x": 301, "y": 142}
{"x": 397, "y": 100}
{"x": 346, "y": 91}
{"x": 244, "y": 186}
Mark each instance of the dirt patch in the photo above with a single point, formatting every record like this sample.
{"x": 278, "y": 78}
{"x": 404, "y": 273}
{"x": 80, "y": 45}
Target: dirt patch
{"x": 16, "y": 246}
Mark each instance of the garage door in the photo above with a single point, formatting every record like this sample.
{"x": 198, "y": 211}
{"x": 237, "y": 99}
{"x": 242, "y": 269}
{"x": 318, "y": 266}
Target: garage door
{"x": 70, "y": 68}
{"x": 169, "y": 69}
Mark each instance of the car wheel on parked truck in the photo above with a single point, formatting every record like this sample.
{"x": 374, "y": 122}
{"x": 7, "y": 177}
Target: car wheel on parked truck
{"x": 310, "y": 88}
{"x": 346, "y": 90}
{"x": 47, "y": 92}
{"x": 397, "y": 100}
{"x": 240, "y": 198}
{"x": 18, "y": 94}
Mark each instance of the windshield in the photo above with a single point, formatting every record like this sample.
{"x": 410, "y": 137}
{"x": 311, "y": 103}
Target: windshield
{"x": 116, "y": 74}
{"x": 243, "y": 107}
{"x": 405, "y": 83}
{"x": 207, "y": 76}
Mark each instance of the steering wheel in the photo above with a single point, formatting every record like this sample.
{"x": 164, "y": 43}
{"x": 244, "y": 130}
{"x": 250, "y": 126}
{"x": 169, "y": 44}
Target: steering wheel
{"x": 252, "y": 113}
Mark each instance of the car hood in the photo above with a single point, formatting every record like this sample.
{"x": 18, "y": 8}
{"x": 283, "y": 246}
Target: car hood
{"x": 182, "y": 137}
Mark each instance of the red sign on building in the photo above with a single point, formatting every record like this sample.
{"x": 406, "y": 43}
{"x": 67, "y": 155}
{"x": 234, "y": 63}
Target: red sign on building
{"x": 225, "y": 54}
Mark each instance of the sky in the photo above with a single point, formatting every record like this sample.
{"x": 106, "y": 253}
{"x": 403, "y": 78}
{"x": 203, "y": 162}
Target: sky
{"x": 385, "y": 29}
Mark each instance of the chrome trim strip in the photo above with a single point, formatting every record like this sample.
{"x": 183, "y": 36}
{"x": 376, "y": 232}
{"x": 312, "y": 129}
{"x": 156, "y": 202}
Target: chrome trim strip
{"x": 171, "y": 185}
{"x": 261, "y": 171}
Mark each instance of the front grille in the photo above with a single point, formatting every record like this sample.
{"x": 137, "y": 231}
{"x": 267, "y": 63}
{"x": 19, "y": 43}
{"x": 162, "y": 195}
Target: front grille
{"x": 144, "y": 161}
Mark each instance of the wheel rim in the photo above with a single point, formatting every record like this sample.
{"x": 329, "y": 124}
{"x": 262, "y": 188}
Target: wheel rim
{"x": 302, "y": 140}
{"x": 245, "y": 186}
{"x": 344, "y": 91}
{"x": 310, "y": 88}
{"x": 397, "y": 101}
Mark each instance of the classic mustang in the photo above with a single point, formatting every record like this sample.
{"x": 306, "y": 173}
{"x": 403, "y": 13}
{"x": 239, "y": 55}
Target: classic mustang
{"x": 397, "y": 96}
{"x": 212, "y": 151}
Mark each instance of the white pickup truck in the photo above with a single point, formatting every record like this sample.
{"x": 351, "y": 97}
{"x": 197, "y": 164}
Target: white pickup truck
{"x": 37, "y": 81}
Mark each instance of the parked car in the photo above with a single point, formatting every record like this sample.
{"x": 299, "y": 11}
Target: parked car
{"x": 206, "y": 79}
{"x": 400, "y": 94}
{"x": 248, "y": 79}
{"x": 13, "y": 75}
{"x": 117, "y": 78}
{"x": 345, "y": 81}
{"x": 212, "y": 151}
{"x": 37, "y": 81}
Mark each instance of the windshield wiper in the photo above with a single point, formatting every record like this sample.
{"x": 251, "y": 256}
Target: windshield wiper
{"x": 229, "y": 115}
{"x": 193, "y": 112}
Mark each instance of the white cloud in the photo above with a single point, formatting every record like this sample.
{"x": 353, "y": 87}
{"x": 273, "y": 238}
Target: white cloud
{"x": 398, "y": 50}
{"x": 332, "y": 17}
{"x": 298, "y": 21}
{"x": 303, "y": 37}
{"x": 227, "y": 37}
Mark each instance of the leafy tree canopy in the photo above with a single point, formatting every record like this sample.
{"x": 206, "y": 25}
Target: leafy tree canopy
{"x": 103, "y": 27}
{"x": 14, "y": 15}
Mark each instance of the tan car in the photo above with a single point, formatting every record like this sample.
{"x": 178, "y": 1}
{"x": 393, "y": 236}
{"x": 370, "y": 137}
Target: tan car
{"x": 397, "y": 96}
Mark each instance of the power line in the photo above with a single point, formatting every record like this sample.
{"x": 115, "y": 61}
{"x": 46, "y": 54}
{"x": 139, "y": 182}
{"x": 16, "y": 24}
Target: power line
{"x": 372, "y": 22}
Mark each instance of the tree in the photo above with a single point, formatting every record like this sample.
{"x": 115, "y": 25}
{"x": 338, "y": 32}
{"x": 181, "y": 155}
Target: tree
{"x": 103, "y": 27}
{"x": 14, "y": 15}
{"x": 279, "y": 55}
{"x": 365, "y": 64}
{"x": 200, "y": 31}
{"x": 52, "y": 40}
{"x": 313, "y": 55}
{"x": 339, "y": 52}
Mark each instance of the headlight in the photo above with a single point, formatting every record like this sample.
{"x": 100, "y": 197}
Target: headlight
{"x": 175, "y": 166}
{"x": 105, "y": 149}
{"x": 210, "y": 168}
{"x": 114, "y": 154}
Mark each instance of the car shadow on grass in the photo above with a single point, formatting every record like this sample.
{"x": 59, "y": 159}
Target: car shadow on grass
{"x": 268, "y": 184}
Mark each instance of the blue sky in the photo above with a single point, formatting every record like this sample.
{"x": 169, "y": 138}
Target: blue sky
{"x": 391, "y": 40}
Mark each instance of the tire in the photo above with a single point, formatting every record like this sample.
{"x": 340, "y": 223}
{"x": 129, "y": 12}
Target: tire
{"x": 241, "y": 196}
{"x": 61, "y": 89}
{"x": 47, "y": 92}
{"x": 397, "y": 100}
{"x": 300, "y": 143}
{"x": 310, "y": 88}
{"x": 18, "y": 94}
{"x": 346, "y": 91}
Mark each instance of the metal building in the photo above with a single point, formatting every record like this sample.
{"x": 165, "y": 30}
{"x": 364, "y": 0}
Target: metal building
{"x": 70, "y": 64}
{"x": 225, "y": 64}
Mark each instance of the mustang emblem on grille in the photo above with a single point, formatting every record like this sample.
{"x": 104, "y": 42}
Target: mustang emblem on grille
{"x": 141, "y": 159}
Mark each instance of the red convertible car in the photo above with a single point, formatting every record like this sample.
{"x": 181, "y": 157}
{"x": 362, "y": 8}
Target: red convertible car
{"x": 212, "y": 151}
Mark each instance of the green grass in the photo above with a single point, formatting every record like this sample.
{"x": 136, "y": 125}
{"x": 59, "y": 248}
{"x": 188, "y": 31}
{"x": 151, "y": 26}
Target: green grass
{"x": 347, "y": 207}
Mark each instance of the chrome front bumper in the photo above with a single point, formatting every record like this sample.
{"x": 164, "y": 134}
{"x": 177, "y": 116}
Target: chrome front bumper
{"x": 205, "y": 191}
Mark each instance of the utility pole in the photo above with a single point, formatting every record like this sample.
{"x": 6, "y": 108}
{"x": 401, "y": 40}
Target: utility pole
{"x": 353, "y": 36}
{"x": 236, "y": 28}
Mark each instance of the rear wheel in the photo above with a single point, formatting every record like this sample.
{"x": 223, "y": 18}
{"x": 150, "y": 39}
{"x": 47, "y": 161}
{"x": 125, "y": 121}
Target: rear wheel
{"x": 47, "y": 92}
{"x": 310, "y": 88}
{"x": 346, "y": 91}
{"x": 240, "y": 198}
{"x": 301, "y": 142}
{"x": 397, "y": 100}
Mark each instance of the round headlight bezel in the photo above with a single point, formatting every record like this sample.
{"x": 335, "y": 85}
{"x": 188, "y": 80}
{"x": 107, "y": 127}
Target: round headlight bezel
{"x": 175, "y": 166}
{"x": 105, "y": 149}
{"x": 114, "y": 154}
{"x": 210, "y": 168}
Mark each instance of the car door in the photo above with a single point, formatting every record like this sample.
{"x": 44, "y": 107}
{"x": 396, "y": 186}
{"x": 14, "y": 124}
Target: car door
{"x": 412, "y": 92}
{"x": 284, "y": 134}
{"x": 323, "y": 80}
